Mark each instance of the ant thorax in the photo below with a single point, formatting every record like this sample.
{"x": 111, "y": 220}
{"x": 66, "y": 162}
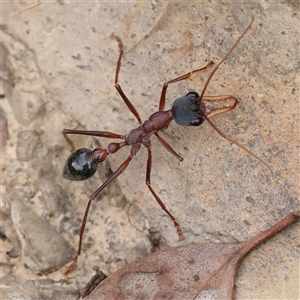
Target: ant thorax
{"x": 157, "y": 122}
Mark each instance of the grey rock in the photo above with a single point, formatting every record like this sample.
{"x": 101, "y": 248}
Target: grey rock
{"x": 207, "y": 191}
{"x": 26, "y": 104}
{"x": 28, "y": 141}
{"x": 38, "y": 289}
{"x": 43, "y": 249}
{"x": 4, "y": 134}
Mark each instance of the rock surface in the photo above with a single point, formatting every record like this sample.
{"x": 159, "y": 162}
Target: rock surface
{"x": 58, "y": 72}
{"x": 43, "y": 249}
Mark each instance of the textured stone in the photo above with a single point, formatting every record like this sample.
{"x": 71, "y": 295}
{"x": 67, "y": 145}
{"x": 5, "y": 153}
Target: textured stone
{"x": 43, "y": 249}
{"x": 48, "y": 47}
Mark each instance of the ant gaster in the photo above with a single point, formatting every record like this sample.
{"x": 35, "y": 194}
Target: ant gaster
{"x": 188, "y": 110}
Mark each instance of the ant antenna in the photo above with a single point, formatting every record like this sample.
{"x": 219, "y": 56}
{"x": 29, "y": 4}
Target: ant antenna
{"x": 226, "y": 56}
{"x": 204, "y": 89}
{"x": 236, "y": 143}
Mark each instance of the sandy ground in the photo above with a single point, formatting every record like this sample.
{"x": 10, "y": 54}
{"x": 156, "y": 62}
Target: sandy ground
{"x": 58, "y": 63}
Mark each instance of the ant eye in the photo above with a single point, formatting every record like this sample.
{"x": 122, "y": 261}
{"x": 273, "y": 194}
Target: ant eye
{"x": 197, "y": 122}
{"x": 80, "y": 165}
{"x": 193, "y": 95}
{"x": 186, "y": 110}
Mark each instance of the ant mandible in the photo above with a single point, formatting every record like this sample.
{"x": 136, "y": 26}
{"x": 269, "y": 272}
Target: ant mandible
{"x": 188, "y": 110}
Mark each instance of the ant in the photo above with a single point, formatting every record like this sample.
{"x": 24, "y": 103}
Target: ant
{"x": 188, "y": 110}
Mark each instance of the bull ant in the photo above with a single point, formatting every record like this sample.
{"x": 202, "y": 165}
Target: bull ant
{"x": 188, "y": 110}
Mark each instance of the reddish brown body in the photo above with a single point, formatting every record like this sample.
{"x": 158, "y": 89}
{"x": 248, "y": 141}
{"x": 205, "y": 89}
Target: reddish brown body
{"x": 157, "y": 122}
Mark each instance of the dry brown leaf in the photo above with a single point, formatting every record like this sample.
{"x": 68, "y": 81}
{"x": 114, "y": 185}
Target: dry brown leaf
{"x": 194, "y": 271}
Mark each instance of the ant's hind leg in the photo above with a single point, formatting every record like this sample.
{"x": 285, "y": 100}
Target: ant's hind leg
{"x": 180, "y": 78}
{"x": 113, "y": 176}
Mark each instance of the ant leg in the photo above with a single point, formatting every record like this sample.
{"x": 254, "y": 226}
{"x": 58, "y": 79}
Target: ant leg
{"x": 113, "y": 176}
{"x": 236, "y": 143}
{"x": 188, "y": 75}
{"x": 162, "y": 100}
{"x": 221, "y": 110}
{"x": 117, "y": 85}
{"x": 128, "y": 103}
{"x": 167, "y": 146}
{"x": 104, "y": 134}
{"x": 148, "y": 183}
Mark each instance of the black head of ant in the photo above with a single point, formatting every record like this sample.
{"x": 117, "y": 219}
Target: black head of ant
{"x": 186, "y": 110}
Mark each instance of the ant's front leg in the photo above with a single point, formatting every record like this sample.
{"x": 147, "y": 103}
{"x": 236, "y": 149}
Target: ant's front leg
{"x": 105, "y": 134}
{"x": 162, "y": 101}
{"x": 117, "y": 85}
{"x": 168, "y": 147}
